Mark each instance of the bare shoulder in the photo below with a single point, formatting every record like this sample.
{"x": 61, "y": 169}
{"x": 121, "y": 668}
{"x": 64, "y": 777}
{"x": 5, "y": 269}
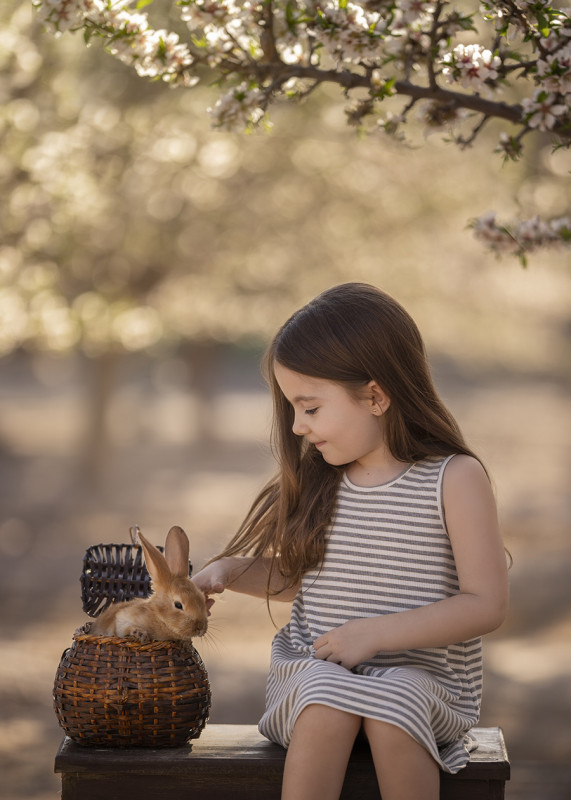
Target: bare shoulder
{"x": 467, "y": 494}
{"x": 464, "y": 469}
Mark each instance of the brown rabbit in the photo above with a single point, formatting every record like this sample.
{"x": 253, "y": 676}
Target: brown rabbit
{"x": 176, "y": 610}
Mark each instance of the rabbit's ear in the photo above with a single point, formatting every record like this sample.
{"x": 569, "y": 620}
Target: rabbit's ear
{"x": 155, "y": 563}
{"x": 176, "y": 551}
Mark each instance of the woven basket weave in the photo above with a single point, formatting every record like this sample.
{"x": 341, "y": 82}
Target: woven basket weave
{"x": 113, "y": 692}
{"x": 113, "y": 573}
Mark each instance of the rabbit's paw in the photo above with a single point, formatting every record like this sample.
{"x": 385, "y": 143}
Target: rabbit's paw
{"x": 140, "y": 635}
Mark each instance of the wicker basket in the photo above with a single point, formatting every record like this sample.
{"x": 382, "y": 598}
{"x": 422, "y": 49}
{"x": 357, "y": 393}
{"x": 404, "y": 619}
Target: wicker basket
{"x": 113, "y": 692}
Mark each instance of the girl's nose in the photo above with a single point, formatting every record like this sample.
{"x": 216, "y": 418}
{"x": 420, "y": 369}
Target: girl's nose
{"x": 299, "y": 426}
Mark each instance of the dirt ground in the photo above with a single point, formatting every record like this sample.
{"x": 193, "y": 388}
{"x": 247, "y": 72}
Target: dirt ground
{"x": 158, "y": 471}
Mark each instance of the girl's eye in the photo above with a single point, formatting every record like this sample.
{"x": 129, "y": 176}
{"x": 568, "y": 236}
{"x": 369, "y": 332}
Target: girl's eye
{"x": 178, "y": 605}
{"x": 311, "y": 411}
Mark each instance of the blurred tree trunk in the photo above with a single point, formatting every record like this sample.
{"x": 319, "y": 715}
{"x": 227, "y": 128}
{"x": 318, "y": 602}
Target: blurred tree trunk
{"x": 204, "y": 360}
{"x": 101, "y": 379}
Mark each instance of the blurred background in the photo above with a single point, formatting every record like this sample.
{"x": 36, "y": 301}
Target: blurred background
{"x": 144, "y": 262}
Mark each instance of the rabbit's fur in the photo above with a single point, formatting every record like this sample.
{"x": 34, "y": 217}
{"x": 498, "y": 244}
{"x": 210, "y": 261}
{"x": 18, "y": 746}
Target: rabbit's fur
{"x": 175, "y": 611}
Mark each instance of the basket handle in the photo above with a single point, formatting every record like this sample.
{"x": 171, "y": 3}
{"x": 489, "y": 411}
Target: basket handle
{"x": 134, "y": 530}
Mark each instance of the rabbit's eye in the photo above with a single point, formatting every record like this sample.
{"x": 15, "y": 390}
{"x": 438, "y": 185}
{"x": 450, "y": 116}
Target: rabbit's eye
{"x": 178, "y": 604}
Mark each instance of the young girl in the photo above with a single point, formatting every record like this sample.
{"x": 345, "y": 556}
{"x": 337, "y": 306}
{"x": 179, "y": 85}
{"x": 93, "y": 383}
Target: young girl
{"x": 381, "y": 527}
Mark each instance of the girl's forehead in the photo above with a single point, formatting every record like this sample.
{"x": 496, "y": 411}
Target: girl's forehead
{"x": 298, "y": 387}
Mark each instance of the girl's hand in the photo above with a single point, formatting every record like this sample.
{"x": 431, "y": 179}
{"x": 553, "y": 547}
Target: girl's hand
{"x": 243, "y": 574}
{"x": 351, "y": 643}
{"x": 213, "y": 579}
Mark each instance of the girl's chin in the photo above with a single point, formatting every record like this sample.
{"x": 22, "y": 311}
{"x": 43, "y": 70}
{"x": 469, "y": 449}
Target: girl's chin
{"x": 334, "y": 462}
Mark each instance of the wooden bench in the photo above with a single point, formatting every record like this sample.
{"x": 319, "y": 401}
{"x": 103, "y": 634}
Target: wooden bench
{"x": 234, "y": 762}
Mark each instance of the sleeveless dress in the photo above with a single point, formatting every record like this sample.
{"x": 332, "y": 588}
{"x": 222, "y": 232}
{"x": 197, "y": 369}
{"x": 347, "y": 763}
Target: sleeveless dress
{"x": 387, "y": 551}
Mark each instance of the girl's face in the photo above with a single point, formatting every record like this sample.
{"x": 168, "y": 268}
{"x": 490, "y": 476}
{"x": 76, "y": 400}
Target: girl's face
{"x": 345, "y": 429}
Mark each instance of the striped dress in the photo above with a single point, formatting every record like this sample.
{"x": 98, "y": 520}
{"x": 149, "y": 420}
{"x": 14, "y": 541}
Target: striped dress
{"x": 387, "y": 551}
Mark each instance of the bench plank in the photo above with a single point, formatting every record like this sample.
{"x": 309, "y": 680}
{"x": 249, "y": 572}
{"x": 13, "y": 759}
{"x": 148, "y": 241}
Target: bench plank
{"x": 235, "y": 762}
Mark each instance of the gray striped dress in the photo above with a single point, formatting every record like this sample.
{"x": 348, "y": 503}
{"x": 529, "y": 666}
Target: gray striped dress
{"x": 387, "y": 551}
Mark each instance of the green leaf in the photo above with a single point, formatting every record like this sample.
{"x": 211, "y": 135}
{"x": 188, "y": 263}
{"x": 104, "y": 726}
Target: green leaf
{"x": 290, "y": 15}
{"x": 142, "y": 3}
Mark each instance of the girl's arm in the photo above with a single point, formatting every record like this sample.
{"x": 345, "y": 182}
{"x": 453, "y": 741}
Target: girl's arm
{"x": 481, "y": 603}
{"x": 244, "y": 574}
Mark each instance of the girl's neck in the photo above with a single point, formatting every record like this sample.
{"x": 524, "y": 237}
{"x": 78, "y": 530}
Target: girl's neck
{"x": 375, "y": 474}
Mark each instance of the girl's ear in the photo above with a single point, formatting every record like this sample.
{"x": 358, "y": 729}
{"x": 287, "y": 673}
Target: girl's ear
{"x": 378, "y": 399}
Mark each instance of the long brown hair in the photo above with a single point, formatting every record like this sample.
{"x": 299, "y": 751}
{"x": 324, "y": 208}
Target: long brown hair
{"x": 350, "y": 334}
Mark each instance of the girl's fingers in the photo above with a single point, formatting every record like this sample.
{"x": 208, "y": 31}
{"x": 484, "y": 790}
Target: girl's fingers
{"x": 209, "y": 604}
{"x": 324, "y": 652}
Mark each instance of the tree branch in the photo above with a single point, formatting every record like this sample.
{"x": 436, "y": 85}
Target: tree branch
{"x": 351, "y": 80}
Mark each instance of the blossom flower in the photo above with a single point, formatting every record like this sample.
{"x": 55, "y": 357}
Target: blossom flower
{"x": 238, "y": 109}
{"x": 292, "y": 53}
{"x": 412, "y": 10}
{"x": 560, "y": 30}
{"x": 471, "y": 65}
{"x": 197, "y": 13}
{"x": 349, "y": 33}
{"x": 407, "y": 45}
{"x": 541, "y": 110}
{"x": 226, "y": 27}
{"x": 555, "y": 71}
{"x": 561, "y": 227}
{"x": 496, "y": 237}
{"x": 64, "y": 15}
{"x": 534, "y": 232}
{"x": 522, "y": 237}
{"x": 153, "y": 53}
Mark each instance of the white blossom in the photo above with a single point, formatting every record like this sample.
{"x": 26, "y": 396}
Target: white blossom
{"x": 407, "y": 45}
{"x": 293, "y": 53}
{"x": 521, "y": 237}
{"x": 533, "y": 232}
{"x": 238, "y": 109}
{"x": 561, "y": 226}
{"x": 349, "y": 33}
{"x": 555, "y": 71}
{"x": 541, "y": 111}
{"x": 416, "y": 13}
{"x": 64, "y": 15}
{"x": 226, "y": 26}
{"x": 472, "y": 65}
{"x": 496, "y": 237}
